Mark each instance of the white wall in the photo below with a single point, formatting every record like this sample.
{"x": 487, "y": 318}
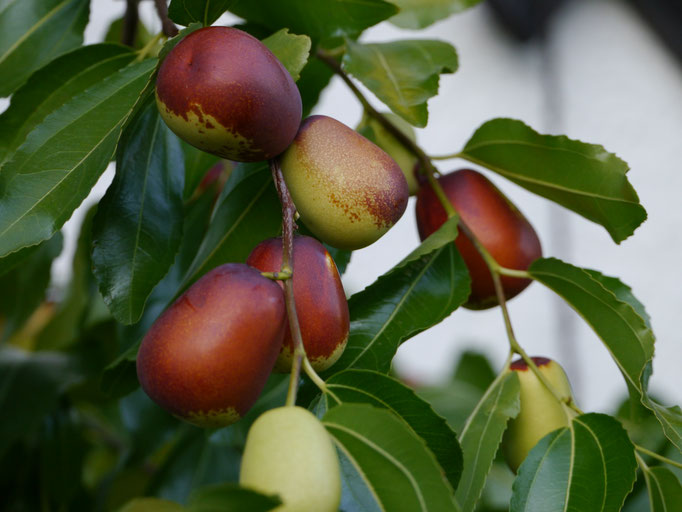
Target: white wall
{"x": 617, "y": 87}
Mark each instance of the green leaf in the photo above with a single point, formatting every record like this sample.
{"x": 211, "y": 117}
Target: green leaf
{"x": 402, "y": 74}
{"x": 62, "y": 158}
{"x": 314, "y": 78}
{"x": 33, "y": 32}
{"x": 401, "y": 472}
{"x": 24, "y": 286}
{"x": 665, "y": 491}
{"x": 291, "y": 50}
{"x": 363, "y": 386}
{"x": 319, "y": 20}
{"x": 670, "y": 419}
{"x": 120, "y": 376}
{"x": 416, "y": 14}
{"x": 55, "y": 84}
{"x": 138, "y": 226}
{"x": 482, "y": 434}
{"x": 230, "y": 498}
{"x": 416, "y": 294}
{"x": 588, "y": 466}
{"x": 30, "y": 385}
{"x": 624, "y": 332}
{"x": 151, "y": 505}
{"x": 185, "y": 12}
{"x": 247, "y": 213}
{"x": 582, "y": 177}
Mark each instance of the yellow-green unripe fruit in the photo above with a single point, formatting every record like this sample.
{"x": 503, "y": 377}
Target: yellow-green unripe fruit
{"x": 348, "y": 191}
{"x": 540, "y": 411}
{"x": 375, "y": 131}
{"x": 288, "y": 452}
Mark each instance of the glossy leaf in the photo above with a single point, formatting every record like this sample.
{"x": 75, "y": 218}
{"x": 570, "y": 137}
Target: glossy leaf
{"x": 247, "y": 213}
{"x": 184, "y": 12}
{"x": 670, "y": 419}
{"x": 624, "y": 332}
{"x": 416, "y": 14}
{"x": 582, "y": 177}
{"x": 317, "y": 19}
{"x": 379, "y": 390}
{"x": 390, "y": 457}
{"x": 292, "y": 50}
{"x": 138, "y": 226}
{"x": 588, "y": 466}
{"x": 24, "y": 286}
{"x": 402, "y": 74}
{"x": 33, "y": 32}
{"x": 55, "y": 84}
{"x": 62, "y": 158}
{"x": 481, "y": 436}
{"x": 665, "y": 491}
{"x": 30, "y": 385}
{"x": 416, "y": 294}
{"x": 230, "y": 498}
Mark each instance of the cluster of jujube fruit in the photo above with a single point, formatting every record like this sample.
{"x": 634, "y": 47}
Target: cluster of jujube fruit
{"x": 206, "y": 359}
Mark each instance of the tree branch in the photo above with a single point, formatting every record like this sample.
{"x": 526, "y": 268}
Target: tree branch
{"x": 167, "y": 26}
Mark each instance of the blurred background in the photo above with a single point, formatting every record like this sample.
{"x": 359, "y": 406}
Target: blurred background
{"x": 603, "y": 71}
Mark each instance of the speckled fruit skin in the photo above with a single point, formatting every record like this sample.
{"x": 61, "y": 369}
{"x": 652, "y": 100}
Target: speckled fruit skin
{"x": 540, "y": 412}
{"x": 321, "y": 304}
{"x": 207, "y": 357}
{"x": 288, "y": 452}
{"x": 348, "y": 191}
{"x": 496, "y": 222}
{"x": 223, "y": 91}
{"x": 408, "y": 162}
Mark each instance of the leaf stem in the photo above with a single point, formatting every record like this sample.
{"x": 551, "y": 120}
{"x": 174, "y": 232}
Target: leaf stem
{"x": 146, "y": 49}
{"x": 658, "y": 457}
{"x": 288, "y": 226}
{"x": 451, "y": 156}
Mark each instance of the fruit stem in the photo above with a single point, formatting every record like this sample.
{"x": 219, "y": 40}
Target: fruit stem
{"x": 288, "y": 226}
{"x": 657, "y": 457}
{"x": 285, "y": 274}
{"x": 168, "y": 27}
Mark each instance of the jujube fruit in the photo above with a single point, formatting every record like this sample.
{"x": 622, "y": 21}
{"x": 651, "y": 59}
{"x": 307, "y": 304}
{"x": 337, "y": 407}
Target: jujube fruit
{"x": 288, "y": 452}
{"x": 347, "y": 190}
{"x": 540, "y": 411}
{"x": 494, "y": 220}
{"x": 207, "y": 357}
{"x": 372, "y": 129}
{"x": 321, "y": 304}
{"x": 223, "y": 91}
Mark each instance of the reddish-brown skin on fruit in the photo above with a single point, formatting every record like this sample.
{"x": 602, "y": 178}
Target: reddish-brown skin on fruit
{"x": 495, "y": 221}
{"x": 231, "y": 76}
{"x": 210, "y": 353}
{"x": 520, "y": 364}
{"x": 321, "y": 303}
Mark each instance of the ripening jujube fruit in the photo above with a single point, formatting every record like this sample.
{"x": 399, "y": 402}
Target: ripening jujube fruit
{"x": 494, "y": 220}
{"x": 288, "y": 452}
{"x": 207, "y": 357}
{"x": 321, "y": 305}
{"x": 223, "y": 91}
{"x": 540, "y": 412}
{"x": 348, "y": 191}
{"x": 408, "y": 162}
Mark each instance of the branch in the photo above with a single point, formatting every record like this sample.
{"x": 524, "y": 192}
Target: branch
{"x": 130, "y": 22}
{"x": 167, "y": 26}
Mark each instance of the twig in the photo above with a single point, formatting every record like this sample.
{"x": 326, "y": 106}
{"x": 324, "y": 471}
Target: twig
{"x": 167, "y": 26}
